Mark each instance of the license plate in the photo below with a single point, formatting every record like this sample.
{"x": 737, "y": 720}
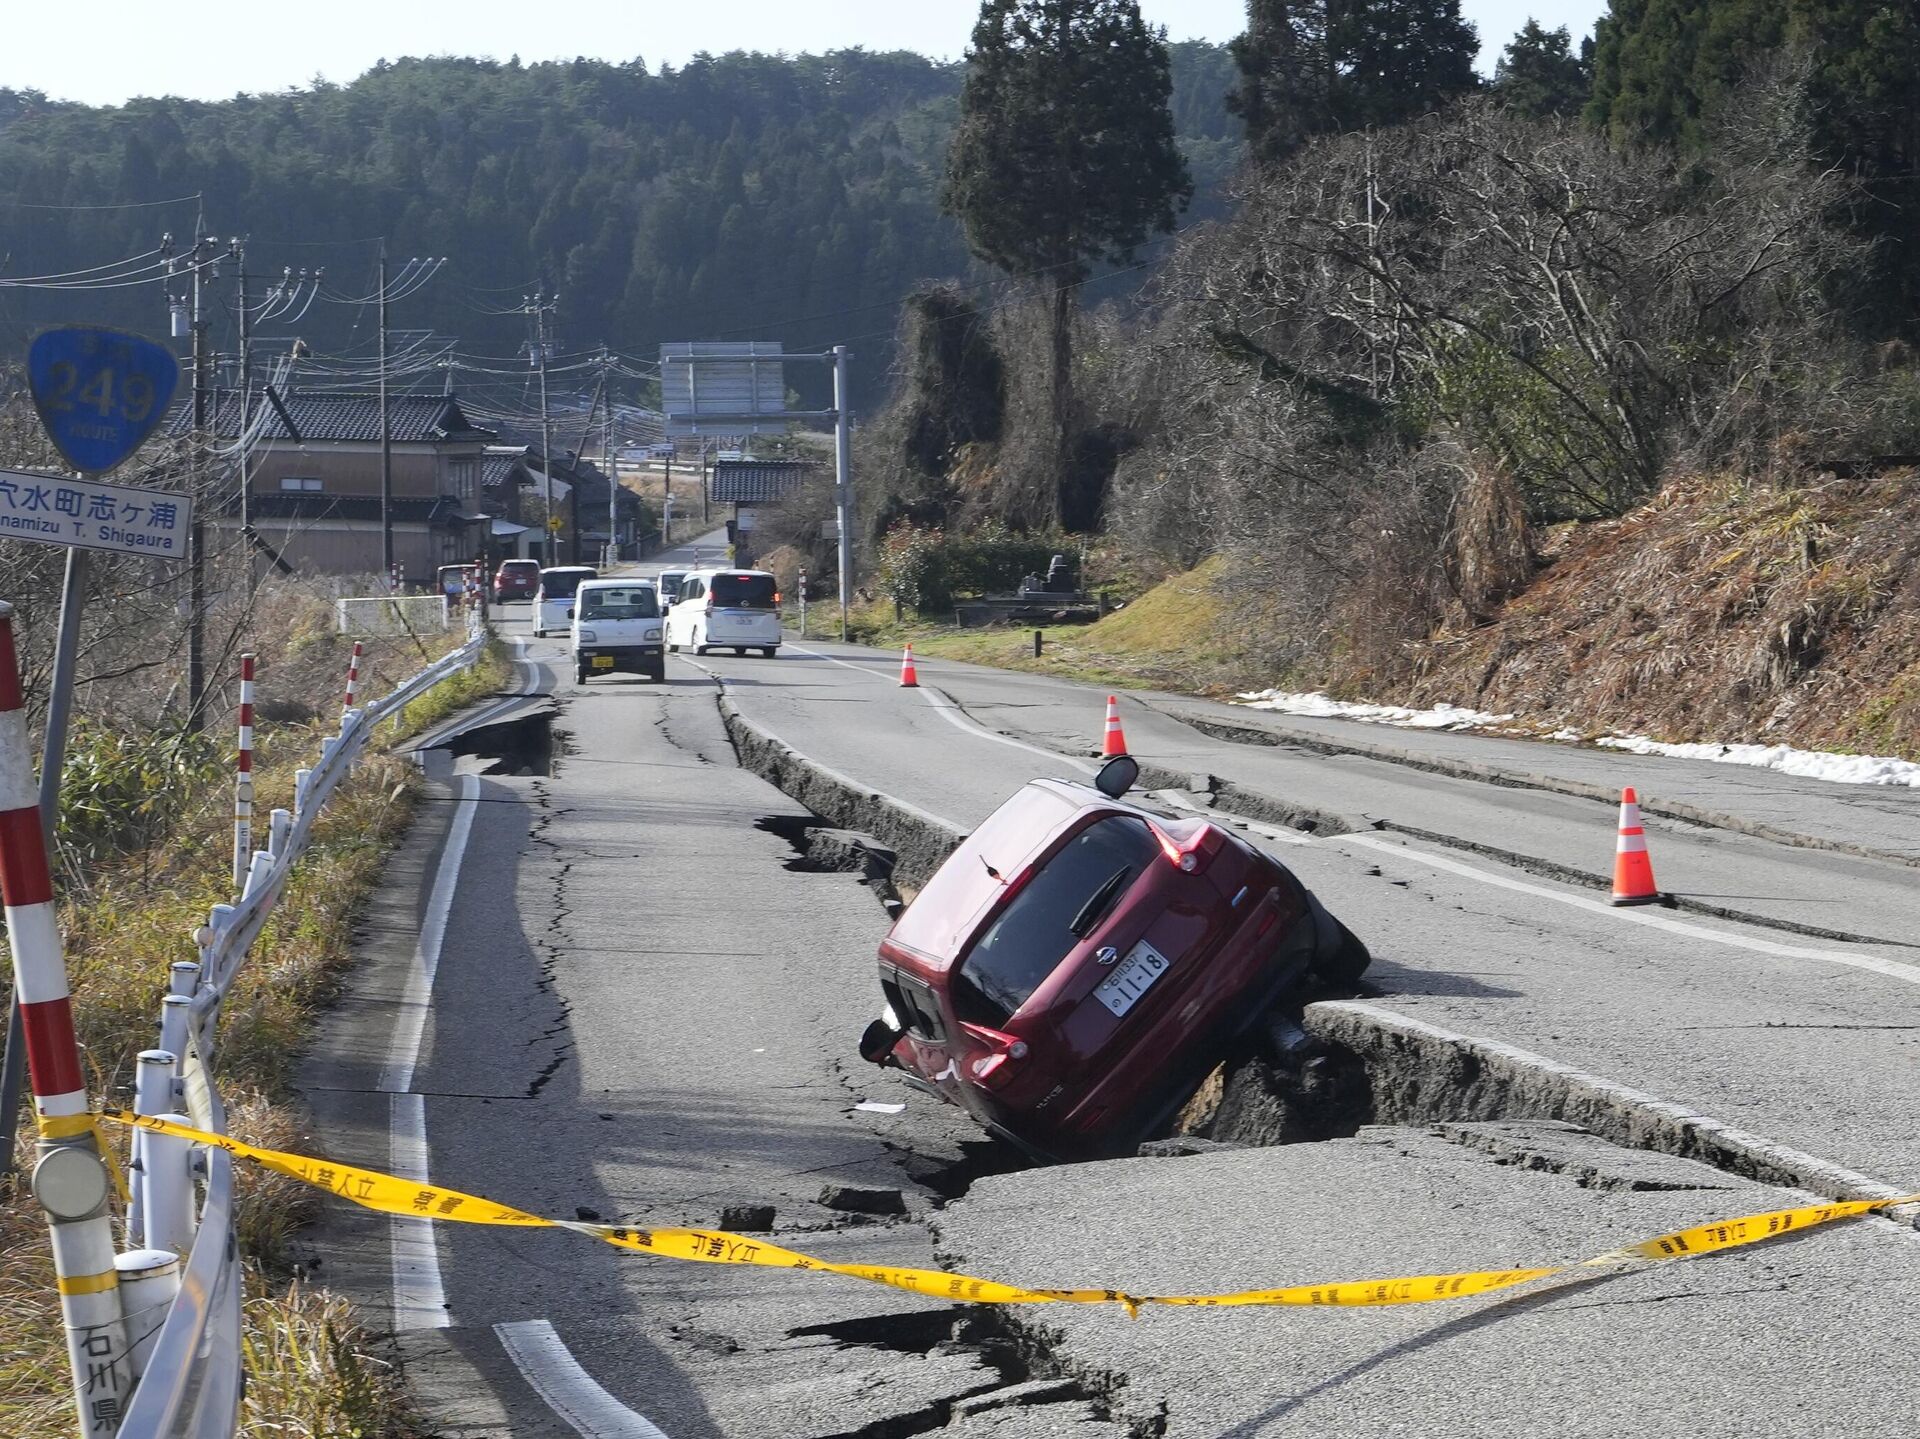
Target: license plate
{"x": 603, "y": 662}
{"x": 1135, "y": 976}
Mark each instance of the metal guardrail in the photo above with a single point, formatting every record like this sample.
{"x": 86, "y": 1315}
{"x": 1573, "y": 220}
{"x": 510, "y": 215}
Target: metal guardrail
{"x": 192, "y": 1379}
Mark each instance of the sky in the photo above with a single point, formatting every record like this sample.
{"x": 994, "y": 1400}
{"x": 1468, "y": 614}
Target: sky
{"x": 114, "y": 49}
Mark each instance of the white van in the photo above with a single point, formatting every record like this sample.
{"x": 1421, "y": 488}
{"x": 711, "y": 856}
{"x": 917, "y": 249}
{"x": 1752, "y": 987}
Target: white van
{"x": 553, "y": 601}
{"x": 721, "y": 609}
{"x": 669, "y": 582}
{"x": 616, "y": 626}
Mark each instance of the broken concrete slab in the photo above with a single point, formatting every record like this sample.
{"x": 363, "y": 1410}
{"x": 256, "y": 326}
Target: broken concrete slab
{"x": 1772, "y": 1339}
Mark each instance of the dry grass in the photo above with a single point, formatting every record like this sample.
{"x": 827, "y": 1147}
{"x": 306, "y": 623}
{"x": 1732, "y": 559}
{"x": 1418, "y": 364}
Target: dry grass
{"x": 1724, "y": 609}
{"x": 1174, "y": 635}
{"x": 311, "y": 1369}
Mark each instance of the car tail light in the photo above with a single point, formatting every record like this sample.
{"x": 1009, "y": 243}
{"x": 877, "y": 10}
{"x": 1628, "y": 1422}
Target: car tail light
{"x": 992, "y": 1068}
{"x": 1188, "y": 854}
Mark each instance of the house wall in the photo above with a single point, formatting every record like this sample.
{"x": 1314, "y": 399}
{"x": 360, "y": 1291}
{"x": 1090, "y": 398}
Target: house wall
{"x": 353, "y": 547}
{"x": 420, "y": 471}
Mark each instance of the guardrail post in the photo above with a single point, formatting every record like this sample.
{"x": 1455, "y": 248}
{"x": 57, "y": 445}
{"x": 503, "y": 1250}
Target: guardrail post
{"x": 353, "y": 681}
{"x": 278, "y": 828}
{"x": 300, "y": 779}
{"x": 259, "y": 875}
{"x": 163, "y": 1162}
{"x": 243, "y": 778}
{"x": 176, "y": 1015}
{"x": 183, "y": 977}
{"x": 149, "y": 1280}
{"x": 70, "y": 1177}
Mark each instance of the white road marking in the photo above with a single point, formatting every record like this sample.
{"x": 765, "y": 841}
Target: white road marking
{"x": 416, "y": 1000}
{"x": 1874, "y": 964}
{"x": 949, "y": 709}
{"x": 419, "y": 1297}
{"x": 1844, "y": 1182}
{"x": 1890, "y": 968}
{"x": 572, "y": 1393}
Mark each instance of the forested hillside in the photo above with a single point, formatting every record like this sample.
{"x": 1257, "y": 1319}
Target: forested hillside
{"x": 743, "y": 195}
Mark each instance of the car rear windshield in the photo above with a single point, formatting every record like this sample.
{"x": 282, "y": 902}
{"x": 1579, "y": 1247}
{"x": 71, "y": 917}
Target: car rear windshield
{"x": 521, "y": 567}
{"x": 636, "y": 602}
{"x": 743, "y": 592}
{"x": 560, "y": 584}
{"x": 1028, "y": 938}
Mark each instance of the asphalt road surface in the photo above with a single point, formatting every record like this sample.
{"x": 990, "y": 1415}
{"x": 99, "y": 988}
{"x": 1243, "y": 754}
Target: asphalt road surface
{"x": 604, "y": 982}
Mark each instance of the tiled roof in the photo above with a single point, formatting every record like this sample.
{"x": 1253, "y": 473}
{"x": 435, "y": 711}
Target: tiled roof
{"x": 413, "y": 419}
{"x": 752, "y": 482}
{"x": 442, "y": 511}
{"x": 497, "y": 466}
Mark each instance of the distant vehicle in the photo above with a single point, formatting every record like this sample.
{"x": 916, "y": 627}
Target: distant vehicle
{"x": 516, "y": 580}
{"x": 616, "y": 627}
{"x": 453, "y": 581}
{"x": 1079, "y": 963}
{"x": 719, "y": 609}
{"x": 670, "y": 582}
{"x": 553, "y": 601}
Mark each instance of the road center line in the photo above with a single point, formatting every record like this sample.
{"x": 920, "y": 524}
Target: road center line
{"x": 546, "y": 1363}
{"x": 1873, "y": 964}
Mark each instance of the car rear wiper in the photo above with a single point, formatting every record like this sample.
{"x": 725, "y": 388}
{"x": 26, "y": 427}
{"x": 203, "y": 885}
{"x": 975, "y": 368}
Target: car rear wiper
{"x": 1097, "y": 903}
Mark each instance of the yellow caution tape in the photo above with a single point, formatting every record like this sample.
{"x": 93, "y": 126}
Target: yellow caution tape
{"x": 391, "y": 1195}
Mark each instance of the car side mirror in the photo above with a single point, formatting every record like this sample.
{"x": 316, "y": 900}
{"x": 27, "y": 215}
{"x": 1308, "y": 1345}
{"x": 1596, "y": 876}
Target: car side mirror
{"x": 569, "y": 612}
{"x": 876, "y": 1045}
{"x": 1117, "y": 776}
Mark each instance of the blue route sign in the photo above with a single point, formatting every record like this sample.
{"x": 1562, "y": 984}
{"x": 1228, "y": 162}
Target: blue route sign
{"x": 100, "y": 393}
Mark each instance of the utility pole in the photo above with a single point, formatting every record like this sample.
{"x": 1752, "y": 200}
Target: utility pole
{"x": 539, "y": 309}
{"x": 386, "y": 433}
{"x": 197, "y": 538}
{"x": 843, "y": 480}
{"x": 606, "y": 451}
{"x": 239, "y": 253}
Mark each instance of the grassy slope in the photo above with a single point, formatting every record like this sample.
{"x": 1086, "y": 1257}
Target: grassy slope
{"x": 1171, "y": 637}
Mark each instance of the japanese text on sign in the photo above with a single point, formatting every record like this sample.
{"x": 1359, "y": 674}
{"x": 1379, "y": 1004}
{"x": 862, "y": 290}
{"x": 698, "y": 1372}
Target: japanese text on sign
{"x": 50, "y": 510}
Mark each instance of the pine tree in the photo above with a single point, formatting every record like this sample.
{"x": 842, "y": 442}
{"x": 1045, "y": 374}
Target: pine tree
{"x": 1064, "y": 152}
{"x": 1539, "y": 74}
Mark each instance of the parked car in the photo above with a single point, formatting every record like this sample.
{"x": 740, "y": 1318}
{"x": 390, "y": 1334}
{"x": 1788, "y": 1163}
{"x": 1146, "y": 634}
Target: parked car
{"x": 616, "y": 627}
{"x": 516, "y": 580}
{"x": 553, "y": 601}
{"x": 1079, "y": 963}
{"x": 669, "y": 582}
{"x": 719, "y": 609}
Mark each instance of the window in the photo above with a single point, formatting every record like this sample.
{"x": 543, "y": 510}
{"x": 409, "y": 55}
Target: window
{"x": 633, "y": 603}
{"x": 460, "y": 477}
{"x": 743, "y": 592}
{"x": 1028, "y": 938}
{"x": 559, "y": 584}
{"x": 308, "y": 484}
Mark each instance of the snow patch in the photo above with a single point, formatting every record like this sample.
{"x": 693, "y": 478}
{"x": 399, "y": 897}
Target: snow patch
{"x": 1812, "y": 764}
{"x": 1809, "y": 764}
{"x": 1321, "y": 706}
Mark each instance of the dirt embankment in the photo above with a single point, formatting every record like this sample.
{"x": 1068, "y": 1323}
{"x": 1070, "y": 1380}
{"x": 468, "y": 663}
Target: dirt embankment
{"x": 1722, "y": 610}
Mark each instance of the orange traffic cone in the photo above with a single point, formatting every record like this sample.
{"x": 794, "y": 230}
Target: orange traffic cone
{"x": 1114, "y": 741}
{"x": 1632, "y": 869}
{"x": 909, "y": 679}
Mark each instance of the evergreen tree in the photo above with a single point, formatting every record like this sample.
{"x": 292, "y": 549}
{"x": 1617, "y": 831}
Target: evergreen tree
{"x": 1064, "y": 153}
{"x": 1282, "y": 94}
{"x": 1308, "y": 67}
{"x": 1539, "y": 75}
{"x": 1395, "y": 59}
{"x": 1661, "y": 65}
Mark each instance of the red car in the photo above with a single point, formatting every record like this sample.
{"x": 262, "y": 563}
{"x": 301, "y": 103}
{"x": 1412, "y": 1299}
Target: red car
{"x": 516, "y": 580}
{"x": 1079, "y": 963}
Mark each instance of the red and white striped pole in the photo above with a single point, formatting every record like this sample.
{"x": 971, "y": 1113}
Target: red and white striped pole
{"x": 243, "y": 780}
{"x": 353, "y": 678}
{"x": 70, "y": 1179}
